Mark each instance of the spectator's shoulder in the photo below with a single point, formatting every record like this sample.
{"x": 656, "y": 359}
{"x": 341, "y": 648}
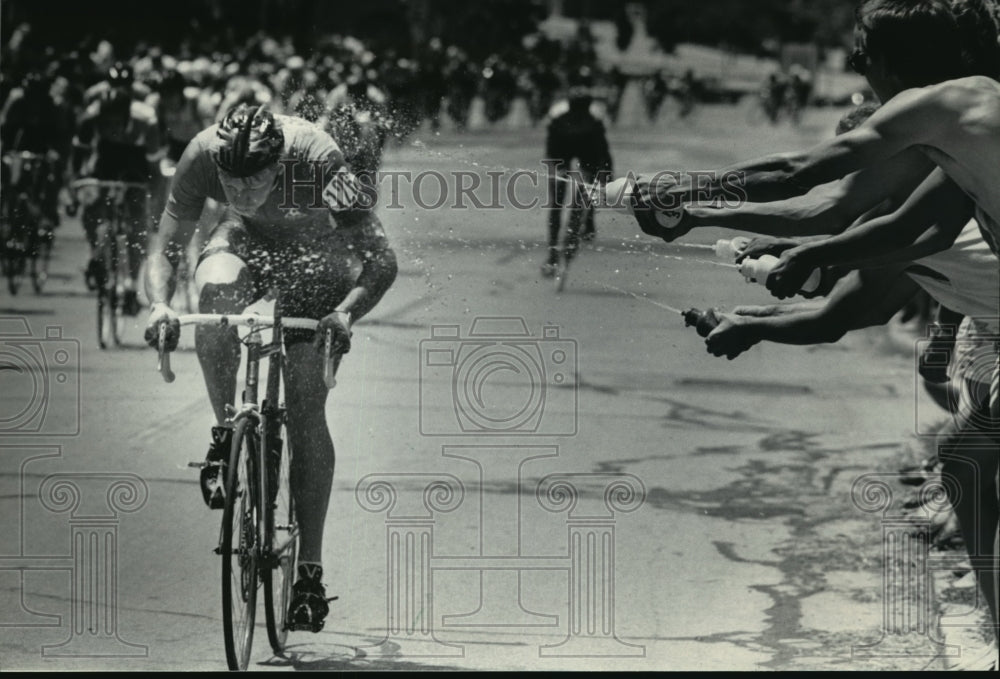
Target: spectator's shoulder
{"x": 964, "y": 93}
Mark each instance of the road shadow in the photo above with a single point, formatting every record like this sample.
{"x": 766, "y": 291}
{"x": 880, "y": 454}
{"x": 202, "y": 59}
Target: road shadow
{"x": 342, "y": 658}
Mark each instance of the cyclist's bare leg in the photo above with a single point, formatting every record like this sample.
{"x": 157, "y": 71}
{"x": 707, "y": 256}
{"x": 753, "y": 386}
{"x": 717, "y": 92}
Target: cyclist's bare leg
{"x": 224, "y": 287}
{"x": 312, "y": 466}
{"x": 135, "y": 234}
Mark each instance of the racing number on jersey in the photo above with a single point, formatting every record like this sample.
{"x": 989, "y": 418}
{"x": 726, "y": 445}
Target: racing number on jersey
{"x": 342, "y": 191}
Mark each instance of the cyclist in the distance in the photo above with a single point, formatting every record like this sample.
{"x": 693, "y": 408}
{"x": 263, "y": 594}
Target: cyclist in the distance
{"x": 305, "y": 244}
{"x": 118, "y": 140}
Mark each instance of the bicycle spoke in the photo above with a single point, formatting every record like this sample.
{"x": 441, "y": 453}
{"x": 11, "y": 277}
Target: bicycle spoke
{"x": 284, "y": 545}
{"x": 240, "y": 551}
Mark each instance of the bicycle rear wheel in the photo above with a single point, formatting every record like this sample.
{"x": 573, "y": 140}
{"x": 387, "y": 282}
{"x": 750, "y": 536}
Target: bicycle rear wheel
{"x": 40, "y": 262}
{"x": 284, "y": 538}
{"x": 240, "y": 548}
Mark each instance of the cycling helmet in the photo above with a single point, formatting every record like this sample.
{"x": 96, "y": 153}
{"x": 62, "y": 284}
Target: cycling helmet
{"x": 120, "y": 75}
{"x": 248, "y": 140}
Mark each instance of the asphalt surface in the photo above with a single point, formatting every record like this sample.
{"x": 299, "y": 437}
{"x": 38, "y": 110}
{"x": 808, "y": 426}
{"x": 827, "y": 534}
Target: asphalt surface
{"x": 577, "y": 486}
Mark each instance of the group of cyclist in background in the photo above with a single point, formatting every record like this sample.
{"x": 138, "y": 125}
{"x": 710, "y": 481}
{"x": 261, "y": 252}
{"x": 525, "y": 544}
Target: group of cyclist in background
{"x": 100, "y": 114}
{"x": 95, "y": 112}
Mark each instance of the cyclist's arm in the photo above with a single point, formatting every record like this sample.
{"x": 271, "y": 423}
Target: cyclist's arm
{"x": 915, "y": 116}
{"x": 177, "y": 224}
{"x": 365, "y": 237}
{"x": 166, "y": 246}
{"x": 829, "y": 209}
{"x": 928, "y": 222}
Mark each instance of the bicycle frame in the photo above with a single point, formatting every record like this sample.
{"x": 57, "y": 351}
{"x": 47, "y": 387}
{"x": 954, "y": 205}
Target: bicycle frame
{"x": 263, "y": 560}
{"x": 112, "y": 246}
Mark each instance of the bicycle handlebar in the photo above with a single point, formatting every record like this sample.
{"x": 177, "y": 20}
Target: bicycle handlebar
{"x": 245, "y": 321}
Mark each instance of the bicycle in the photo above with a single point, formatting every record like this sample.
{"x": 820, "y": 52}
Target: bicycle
{"x": 112, "y": 253}
{"x": 259, "y": 537}
{"x": 24, "y": 238}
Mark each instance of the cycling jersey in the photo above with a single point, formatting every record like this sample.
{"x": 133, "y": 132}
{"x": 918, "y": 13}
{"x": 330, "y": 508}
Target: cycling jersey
{"x": 181, "y": 123}
{"x": 320, "y": 184}
{"x": 124, "y": 148}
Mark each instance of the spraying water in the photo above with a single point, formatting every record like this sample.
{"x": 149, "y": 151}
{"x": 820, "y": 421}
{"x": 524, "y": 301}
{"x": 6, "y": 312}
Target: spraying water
{"x": 641, "y": 298}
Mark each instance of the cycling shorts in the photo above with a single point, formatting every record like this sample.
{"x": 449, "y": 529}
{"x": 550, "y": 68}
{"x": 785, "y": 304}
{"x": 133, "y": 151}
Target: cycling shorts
{"x": 312, "y": 277}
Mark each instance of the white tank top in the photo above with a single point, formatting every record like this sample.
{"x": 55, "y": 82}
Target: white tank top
{"x": 965, "y": 277}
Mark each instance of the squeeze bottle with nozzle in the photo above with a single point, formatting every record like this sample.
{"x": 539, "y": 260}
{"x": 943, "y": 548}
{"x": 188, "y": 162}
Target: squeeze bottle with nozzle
{"x": 728, "y": 249}
{"x": 618, "y": 195}
{"x": 757, "y": 271}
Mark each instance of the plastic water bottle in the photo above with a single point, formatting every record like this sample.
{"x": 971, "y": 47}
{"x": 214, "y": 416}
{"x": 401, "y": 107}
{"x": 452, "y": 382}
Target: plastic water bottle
{"x": 704, "y": 322}
{"x": 757, "y": 271}
{"x": 727, "y": 249}
{"x": 619, "y": 196}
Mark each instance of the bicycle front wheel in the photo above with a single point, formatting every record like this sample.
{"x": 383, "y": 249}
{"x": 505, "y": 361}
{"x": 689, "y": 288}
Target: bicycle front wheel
{"x": 283, "y": 530}
{"x": 240, "y": 548}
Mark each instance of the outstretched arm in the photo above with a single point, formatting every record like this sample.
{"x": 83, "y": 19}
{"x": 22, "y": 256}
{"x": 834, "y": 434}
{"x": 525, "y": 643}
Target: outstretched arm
{"x": 869, "y": 297}
{"x": 826, "y": 210}
{"x": 928, "y": 222}
{"x": 913, "y": 117}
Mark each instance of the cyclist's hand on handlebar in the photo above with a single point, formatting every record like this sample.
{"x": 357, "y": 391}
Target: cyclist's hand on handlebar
{"x": 162, "y": 313}
{"x": 338, "y": 324}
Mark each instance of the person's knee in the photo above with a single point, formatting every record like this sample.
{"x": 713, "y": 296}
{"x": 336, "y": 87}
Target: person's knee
{"x": 224, "y": 284}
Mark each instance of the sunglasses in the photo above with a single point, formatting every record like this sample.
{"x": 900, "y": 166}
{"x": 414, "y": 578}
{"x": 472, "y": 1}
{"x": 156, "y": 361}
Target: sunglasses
{"x": 858, "y": 62}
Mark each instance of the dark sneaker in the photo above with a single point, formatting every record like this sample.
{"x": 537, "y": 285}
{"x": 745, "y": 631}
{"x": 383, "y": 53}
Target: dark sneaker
{"x": 309, "y": 606}
{"x": 213, "y": 473}
{"x": 130, "y": 305}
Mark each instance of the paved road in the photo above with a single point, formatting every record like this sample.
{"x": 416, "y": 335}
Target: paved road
{"x": 583, "y": 487}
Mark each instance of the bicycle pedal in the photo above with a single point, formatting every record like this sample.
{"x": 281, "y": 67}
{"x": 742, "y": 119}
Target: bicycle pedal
{"x": 197, "y": 465}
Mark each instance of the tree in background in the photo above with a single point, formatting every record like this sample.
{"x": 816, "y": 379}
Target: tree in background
{"x": 750, "y": 26}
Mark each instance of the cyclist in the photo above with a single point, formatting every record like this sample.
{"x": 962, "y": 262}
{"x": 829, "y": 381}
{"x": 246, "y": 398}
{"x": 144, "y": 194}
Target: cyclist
{"x": 179, "y": 113}
{"x": 573, "y": 133}
{"x": 118, "y": 140}
{"x": 30, "y": 121}
{"x": 303, "y": 244}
